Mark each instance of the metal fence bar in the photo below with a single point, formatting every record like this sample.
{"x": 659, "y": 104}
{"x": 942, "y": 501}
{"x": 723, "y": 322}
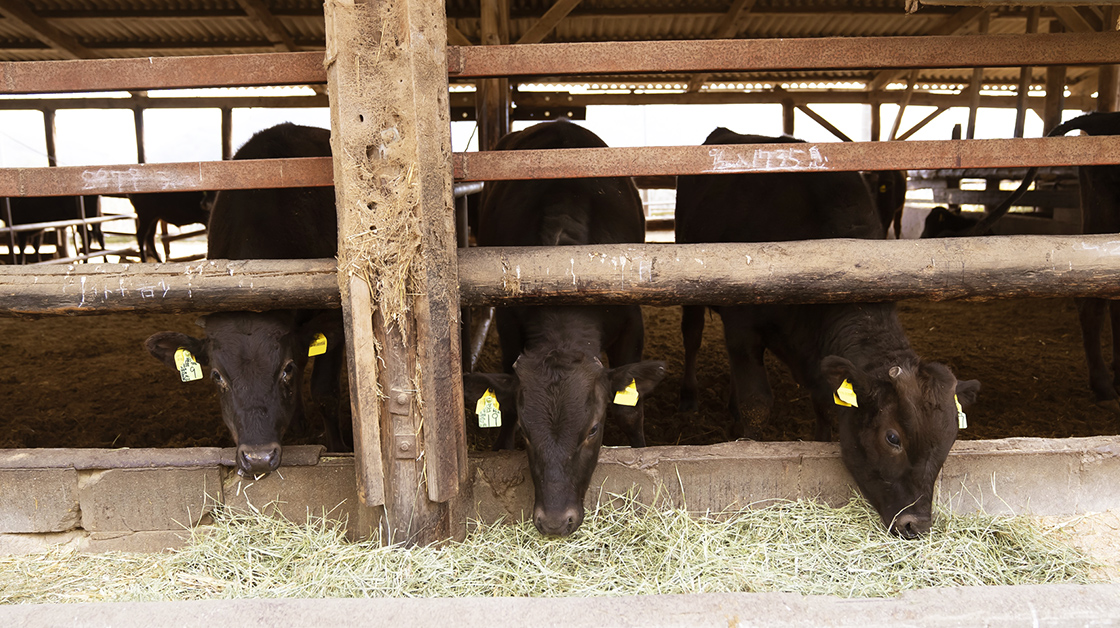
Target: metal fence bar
{"x": 98, "y": 75}
{"x": 800, "y": 157}
{"x": 203, "y": 175}
{"x": 759, "y": 55}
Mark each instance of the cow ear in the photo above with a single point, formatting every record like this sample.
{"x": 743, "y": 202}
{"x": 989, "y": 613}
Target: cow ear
{"x": 967, "y": 391}
{"x": 645, "y": 375}
{"x": 837, "y": 370}
{"x": 503, "y": 385}
{"x": 329, "y": 324}
{"x": 163, "y": 346}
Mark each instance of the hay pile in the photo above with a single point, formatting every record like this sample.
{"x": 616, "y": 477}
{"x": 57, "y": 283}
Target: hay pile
{"x": 622, "y": 549}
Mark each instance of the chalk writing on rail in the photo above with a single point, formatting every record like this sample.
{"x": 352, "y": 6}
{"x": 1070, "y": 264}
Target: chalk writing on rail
{"x": 782, "y": 159}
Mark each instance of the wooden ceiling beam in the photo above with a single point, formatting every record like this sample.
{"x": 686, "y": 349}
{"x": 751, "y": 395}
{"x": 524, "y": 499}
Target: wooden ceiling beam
{"x": 557, "y": 12}
{"x": 270, "y": 24}
{"x": 67, "y": 46}
{"x": 729, "y": 26}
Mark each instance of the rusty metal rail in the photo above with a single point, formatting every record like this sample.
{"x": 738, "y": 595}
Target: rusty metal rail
{"x": 202, "y": 175}
{"x": 98, "y": 75}
{"x": 825, "y": 53}
{"x": 815, "y": 271}
{"x": 808, "y": 157}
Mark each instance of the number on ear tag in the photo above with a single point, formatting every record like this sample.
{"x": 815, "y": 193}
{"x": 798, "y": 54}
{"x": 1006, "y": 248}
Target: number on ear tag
{"x": 845, "y": 396}
{"x": 318, "y": 346}
{"x": 962, "y": 420}
{"x": 627, "y": 396}
{"x": 488, "y": 411}
{"x": 189, "y": 368}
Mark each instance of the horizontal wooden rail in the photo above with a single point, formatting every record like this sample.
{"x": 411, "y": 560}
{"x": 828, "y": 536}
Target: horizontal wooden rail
{"x": 825, "y": 53}
{"x": 815, "y": 271}
{"x": 98, "y": 75}
{"x": 207, "y": 285}
{"x": 656, "y": 274}
{"x": 808, "y": 157}
{"x": 202, "y": 175}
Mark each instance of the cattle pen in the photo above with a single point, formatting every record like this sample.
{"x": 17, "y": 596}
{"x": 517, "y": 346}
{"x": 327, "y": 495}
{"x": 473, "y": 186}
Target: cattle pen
{"x": 402, "y": 278}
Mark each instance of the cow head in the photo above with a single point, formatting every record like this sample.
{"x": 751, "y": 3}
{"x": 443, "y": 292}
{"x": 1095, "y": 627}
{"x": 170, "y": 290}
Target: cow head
{"x": 560, "y": 400}
{"x": 898, "y": 434}
{"x": 256, "y": 361}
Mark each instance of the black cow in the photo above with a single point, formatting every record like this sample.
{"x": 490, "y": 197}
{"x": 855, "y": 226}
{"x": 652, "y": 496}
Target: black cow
{"x": 943, "y": 223}
{"x": 177, "y": 208}
{"x": 556, "y": 389}
{"x": 35, "y": 209}
{"x": 888, "y": 193}
{"x": 257, "y": 359}
{"x": 898, "y": 434}
{"x": 1100, "y": 213}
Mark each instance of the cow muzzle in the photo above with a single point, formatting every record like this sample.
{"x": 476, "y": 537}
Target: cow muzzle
{"x": 258, "y": 460}
{"x": 909, "y": 526}
{"x": 557, "y": 522}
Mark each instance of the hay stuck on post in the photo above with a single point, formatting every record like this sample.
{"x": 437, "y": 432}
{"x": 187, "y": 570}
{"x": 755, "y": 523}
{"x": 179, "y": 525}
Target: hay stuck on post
{"x": 623, "y": 548}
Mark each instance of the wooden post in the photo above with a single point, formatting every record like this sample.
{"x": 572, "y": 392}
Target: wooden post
{"x": 876, "y": 120}
{"x": 227, "y": 133}
{"x": 390, "y": 136}
{"x": 788, "y": 110}
{"x": 1107, "y": 82}
{"x": 1055, "y": 90}
{"x": 49, "y": 131}
{"x": 1025, "y": 78}
{"x": 977, "y": 84}
{"x": 138, "y": 124}
{"x": 493, "y": 100}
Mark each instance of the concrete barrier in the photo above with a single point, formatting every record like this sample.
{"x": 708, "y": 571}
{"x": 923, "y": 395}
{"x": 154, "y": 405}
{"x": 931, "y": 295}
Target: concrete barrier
{"x": 146, "y": 500}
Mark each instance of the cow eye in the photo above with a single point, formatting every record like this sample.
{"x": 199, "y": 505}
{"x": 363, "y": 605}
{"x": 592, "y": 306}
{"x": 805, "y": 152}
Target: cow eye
{"x": 288, "y": 372}
{"x": 593, "y": 431}
{"x": 217, "y": 377}
{"x": 893, "y": 439}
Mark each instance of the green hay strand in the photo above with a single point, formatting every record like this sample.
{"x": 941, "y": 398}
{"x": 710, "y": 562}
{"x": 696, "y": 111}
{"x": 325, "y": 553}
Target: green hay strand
{"x": 623, "y": 548}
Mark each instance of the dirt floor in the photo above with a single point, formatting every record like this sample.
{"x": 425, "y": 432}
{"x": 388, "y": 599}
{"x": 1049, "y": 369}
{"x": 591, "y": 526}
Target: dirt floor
{"x": 87, "y": 381}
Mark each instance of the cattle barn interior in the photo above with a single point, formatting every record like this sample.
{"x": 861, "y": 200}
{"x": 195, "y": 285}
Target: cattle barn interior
{"x": 70, "y": 381}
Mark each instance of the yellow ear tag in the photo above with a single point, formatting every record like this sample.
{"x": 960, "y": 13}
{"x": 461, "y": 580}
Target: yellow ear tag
{"x": 189, "y": 368}
{"x": 627, "y": 396}
{"x": 488, "y": 411}
{"x": 962, "y": 420}
{"x": 845, "y": 396}
{"x": 318, "y": 346}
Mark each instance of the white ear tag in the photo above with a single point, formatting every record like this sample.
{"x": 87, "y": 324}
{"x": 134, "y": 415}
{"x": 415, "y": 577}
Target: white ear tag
{"x": 488, "y": 411}
{"x": 845, "y": 396}
{"x": 627, "y": 396}
{"x": 189, "y": 368}
{"x": 318, "y": 346}
{"x": 962, "y": 420}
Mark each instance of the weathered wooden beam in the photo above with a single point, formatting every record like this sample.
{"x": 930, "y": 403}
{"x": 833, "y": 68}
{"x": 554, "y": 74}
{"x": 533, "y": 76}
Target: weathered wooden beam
{"x": 729, "y": 25}
{"x": 201, "y": 102}
{"x": 397, "y": 259}
{"x": 557, "y": 12}
{"x": 920, "y": 124}
{"x": 828, "y": 126}
{"x": 208, "y": 285}
{"x": 41, "y": 29}
{"x": 816, "y": 271}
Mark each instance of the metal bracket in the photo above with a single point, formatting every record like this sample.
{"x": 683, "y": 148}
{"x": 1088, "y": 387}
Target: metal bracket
{"x": 404, "y": 446}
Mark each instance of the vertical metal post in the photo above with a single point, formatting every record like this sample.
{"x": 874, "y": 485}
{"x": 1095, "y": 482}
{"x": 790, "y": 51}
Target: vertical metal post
{"x": 227, "y": 133}
{"x": 390, "y": 136}
{"x": 48, "y": 130}
{"x": 138, "y": 124}
{"x": 788, "y": 110}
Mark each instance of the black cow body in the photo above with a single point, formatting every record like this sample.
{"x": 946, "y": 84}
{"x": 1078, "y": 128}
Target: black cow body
{"x": 888, "y": 193}
{"x": 36, "y": 209}
{"x": 896, "y": 439}
{"x": 257, "y": 359}
{"x": 944, "y": 223}
{"x": 1100, "y": 213}
{"x": 176, "y": 208}
{"x": 556, "y": 389}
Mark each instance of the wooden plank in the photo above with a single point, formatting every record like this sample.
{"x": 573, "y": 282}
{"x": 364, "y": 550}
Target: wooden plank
{"x": 204, "y": 286}
{"x": 807, "y": 157}
{"x": 557, "y": 12}
{"x": 392, "y": 150}
{"x": 361, "y": 358}
{"x": 815, "y": 271}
